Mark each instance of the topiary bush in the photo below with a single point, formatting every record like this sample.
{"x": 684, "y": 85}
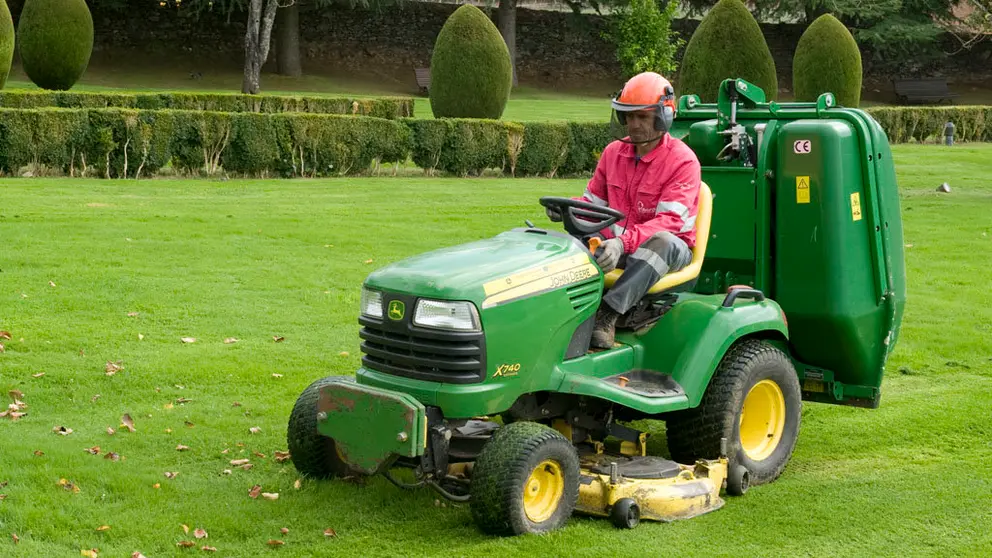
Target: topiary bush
{"x": 6, "y": 42}
{"x": 471, "y": 73}
{"x": 727, "y": 44}
{"x": 56, "y": 40}
{"x": 827, "y": 59}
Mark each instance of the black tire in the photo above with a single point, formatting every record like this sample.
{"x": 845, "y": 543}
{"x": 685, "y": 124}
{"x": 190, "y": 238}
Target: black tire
{"x": 501, "y": 475}
{"x": 696, "y": 433}
{"x": 738, "y": 481}
{"x": 626, "y": 513}
{"x": 313, "y": 454}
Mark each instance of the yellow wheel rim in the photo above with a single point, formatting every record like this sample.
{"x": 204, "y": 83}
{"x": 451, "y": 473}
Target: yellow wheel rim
{"x": 543, "y": 490}
{"x": 762, "y": 420}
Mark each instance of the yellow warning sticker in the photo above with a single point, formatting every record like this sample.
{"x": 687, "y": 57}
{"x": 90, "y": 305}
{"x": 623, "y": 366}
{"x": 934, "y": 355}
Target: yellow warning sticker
{"x": 856, "y": 206}
{"x": 802, "y": 189}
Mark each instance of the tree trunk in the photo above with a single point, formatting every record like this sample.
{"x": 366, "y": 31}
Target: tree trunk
{"x": 257, "y": 39}
{"x": 288, "y": 41}
{"x": 506, "y": 17}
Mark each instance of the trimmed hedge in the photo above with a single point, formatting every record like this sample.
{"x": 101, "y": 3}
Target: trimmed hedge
{"x": 117, "y": 143}
{"x": 382, "y": 107}
{"x": 6, "y": 42}
{"x": 903, "y": 124}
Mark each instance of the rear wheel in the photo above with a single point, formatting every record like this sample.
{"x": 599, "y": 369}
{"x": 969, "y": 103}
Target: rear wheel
{"x": 313, "y": 454}
{"x": 526, "y": 480}
{"x": 753, "y": 401}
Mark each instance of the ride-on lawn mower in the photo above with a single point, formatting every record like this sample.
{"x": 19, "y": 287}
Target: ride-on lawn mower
{"x": 477, "y": 372}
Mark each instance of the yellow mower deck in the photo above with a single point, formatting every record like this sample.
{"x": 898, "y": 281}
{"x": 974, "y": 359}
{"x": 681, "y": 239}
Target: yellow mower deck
{"x": 677, "y": 492}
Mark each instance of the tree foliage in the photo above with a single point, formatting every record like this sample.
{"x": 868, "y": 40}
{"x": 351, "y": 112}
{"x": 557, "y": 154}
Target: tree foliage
{"x": 827, "y": 60}
{"x": 642, "y": 33}
{"x": 56, "y": 41}
{"x": 6, "y": 42}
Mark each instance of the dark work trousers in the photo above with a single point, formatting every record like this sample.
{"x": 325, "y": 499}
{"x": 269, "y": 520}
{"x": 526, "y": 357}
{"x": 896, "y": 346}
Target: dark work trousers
{"x": 661, "y": 254}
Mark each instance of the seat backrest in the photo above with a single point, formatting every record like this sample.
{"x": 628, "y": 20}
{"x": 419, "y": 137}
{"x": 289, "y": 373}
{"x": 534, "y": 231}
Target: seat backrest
{"x": 704, "y": 216}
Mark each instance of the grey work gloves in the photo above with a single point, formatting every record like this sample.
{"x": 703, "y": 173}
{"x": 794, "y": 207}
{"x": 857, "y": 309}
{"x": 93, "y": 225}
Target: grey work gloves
{"x": 608, "y": 254}
{"x": 554, "y": 215}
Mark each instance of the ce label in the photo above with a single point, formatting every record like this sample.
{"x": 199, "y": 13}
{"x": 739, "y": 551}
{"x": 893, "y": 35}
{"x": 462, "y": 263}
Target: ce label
{"x": 802, "y": 147}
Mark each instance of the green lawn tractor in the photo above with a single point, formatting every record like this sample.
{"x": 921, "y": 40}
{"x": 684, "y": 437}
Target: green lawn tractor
{"x": 477, "y": 376}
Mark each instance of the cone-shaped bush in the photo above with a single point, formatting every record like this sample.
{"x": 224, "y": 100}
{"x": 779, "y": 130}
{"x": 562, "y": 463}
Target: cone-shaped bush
{"x": 6, "y": 42}
{"x": 727, "y": 44}
{"x": 471, "y": 73}
{"x": 827, "y": 59}
{"x": 56, "y": 40}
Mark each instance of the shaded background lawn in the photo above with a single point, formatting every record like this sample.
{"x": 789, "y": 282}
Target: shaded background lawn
{"x": 254, "y": 260}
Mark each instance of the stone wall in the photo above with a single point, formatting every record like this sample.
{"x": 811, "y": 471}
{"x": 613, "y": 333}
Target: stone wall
{"x": 554, "y": 48}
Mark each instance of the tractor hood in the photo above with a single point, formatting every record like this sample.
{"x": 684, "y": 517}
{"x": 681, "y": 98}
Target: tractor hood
{"x": 509, "y": 265}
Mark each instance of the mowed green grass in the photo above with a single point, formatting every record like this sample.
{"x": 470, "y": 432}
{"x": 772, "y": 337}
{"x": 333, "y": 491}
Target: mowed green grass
{"x": 258, "y": 259}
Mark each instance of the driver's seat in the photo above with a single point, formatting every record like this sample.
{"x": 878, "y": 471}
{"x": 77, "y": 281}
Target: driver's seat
{"x": 690, "y": 272}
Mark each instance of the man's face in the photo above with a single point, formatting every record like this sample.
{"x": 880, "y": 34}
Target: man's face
{"x": 640, "y": 125}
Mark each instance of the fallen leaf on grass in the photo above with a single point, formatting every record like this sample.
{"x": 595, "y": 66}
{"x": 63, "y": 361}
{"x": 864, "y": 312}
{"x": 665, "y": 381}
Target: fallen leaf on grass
{"x": 225, "y": 451}
{"x": 137, "y": 554}
{"x": 62, "y": 430}
{"x": 110, "y": 431}
{"x": 247, "y": 466}
{"x": 200, "y": 534}
{"x": 16, "y": 394}
{"x": 255, "y": 491}
{"x": 185, "y": 528}
{"x": 270, "y": 495}
{"x": 113, "y": 367}
{"x": 226, "y": 472}
{"x": 168, "y": 431}
{"x": 282, "y": 456}
{"x": 127, "y": 422}
{"x": 277, "y": 375}
{"x": 189, "y": 424}
{"x": 185, "y": 544}
{"x": 52, "y": 283}
{"x": 275, "y": 542}
{"x": 3, "y": 497}
{"x": 278, "y": 338}
{"x": 91, "y": 553}
{"x": 95, "y": 450}
{"x": 368, "y": 262}
{"x": 297, "y": 484}
{"x": 208, "y": 549}
{"x": 230, "y": 340}
{"x": 112, "y": 456}
{"x": 169, "y": 475}
{"x": 38, "y": 375}
{"x": 183, "y": 400}
{"x": 168, "y": 406}
{"x": 15, "y": 537}
{"x": 181, "y": 447}
{"x": 343, "y": 353}
{"x": 156, "y": 486}
{"x": 68, "y": 486}
{"x": 5, "y": 335}
{"x": 330, "y": 532}
{"x": 239, "y": 462}
{"x": 4, "y": 483}
{"x": 189, "y": 339}
{"x": 2, "y": 349}
{"x": 132, "y": 314}
{"x": 254, "y": 430}
{"x": 259, "y": 455}
{"x": 235, "y": 404}
{"x": 39, "y": 453}
{"x": 103, "y": 528}
{"x": 94, "y": 398}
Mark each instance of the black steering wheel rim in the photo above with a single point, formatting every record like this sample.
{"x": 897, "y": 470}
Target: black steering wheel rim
{"x": 582, "y": 218}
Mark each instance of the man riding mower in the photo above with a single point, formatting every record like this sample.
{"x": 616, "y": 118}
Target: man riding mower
{"x": 479, "y": 374}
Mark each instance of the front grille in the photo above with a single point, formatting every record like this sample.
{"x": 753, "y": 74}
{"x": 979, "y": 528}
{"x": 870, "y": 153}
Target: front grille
{"x": 584, "y": 295}
{"x": 436, "y": 356}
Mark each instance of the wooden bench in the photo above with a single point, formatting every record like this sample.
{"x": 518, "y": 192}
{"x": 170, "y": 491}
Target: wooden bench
{"x": 926, "y": 90}
{"x": 423, "y": 79}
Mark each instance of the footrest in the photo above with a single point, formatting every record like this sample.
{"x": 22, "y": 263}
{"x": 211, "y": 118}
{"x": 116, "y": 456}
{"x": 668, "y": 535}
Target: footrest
{"x": 647, "y": 383}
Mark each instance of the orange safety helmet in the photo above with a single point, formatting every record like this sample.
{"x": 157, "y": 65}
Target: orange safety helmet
{"x": 645, "y": 91}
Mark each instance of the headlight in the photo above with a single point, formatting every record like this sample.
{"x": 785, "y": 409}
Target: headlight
{"x": 438, "y": 314}
{"x": 371, "y": 303}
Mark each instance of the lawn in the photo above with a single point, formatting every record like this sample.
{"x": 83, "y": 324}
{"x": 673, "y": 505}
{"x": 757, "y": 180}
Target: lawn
{"x": 96, "y": 271}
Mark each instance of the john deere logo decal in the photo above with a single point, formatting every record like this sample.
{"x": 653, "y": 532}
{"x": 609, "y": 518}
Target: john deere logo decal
{"x": 396, "y": 309}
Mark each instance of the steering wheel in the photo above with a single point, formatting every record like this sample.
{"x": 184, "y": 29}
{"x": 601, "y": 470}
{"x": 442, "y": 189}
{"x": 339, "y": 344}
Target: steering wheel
{"x": 582, "y": 218}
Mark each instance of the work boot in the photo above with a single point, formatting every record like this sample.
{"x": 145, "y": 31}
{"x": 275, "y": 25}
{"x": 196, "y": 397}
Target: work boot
{"x": 605, "y": 329}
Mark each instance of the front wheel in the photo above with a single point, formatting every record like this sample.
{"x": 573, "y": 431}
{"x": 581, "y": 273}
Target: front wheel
{"x": 754, "y": 401}
{"x": 313, "y": 454}
{"x": 526, "y": 480}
